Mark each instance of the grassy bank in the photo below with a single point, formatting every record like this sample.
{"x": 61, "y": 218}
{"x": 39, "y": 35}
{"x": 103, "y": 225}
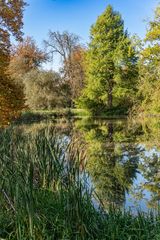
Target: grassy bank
{"x": 45, "y": 195}
{"x": 39, "y": 115}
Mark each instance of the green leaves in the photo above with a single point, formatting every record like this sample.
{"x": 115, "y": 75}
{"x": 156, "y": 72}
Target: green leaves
{"x": 110, "y": 64}
{"x": 149, "y": 67}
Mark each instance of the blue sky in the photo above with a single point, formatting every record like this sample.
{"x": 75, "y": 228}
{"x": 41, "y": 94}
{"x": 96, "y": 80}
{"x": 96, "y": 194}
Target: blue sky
{"x": 78, "y": 15}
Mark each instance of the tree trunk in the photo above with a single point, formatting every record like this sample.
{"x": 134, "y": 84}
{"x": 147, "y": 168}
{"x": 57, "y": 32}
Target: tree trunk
{"x": 110, "y": 131}
{"x": 110, "y": 97}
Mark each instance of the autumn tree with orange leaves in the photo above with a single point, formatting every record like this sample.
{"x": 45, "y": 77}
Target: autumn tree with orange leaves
{"x": 11, "y": 23}
{"x": 74, "y": 66}
{"x": 25, "y": 57}
{"x": 71, "y": 52}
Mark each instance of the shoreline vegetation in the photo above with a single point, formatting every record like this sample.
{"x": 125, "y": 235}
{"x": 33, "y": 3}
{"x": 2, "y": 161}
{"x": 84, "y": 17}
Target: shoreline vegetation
{"x": 73, "y": 113}
{"x": 44, "y": 196}
{"x": 39, "y": 115}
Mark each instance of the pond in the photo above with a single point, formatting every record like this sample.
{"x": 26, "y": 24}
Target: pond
{"x": 120, "y": 156}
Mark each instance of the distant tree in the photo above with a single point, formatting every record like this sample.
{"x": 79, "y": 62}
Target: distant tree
{"x": 111, "y": 65}
{"x": 62, "y": 44}
{"x": 149, "y": 68}
{"x": 67, "y": 46}
{"x": 75, "y": 65}
{"x": 43, "y": 90}
{"x": 11, "y": 23}
{"x": 25, "y": 57}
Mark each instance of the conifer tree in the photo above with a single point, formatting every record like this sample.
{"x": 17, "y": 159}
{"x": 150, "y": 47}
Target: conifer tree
{"x": 111, "y": 65}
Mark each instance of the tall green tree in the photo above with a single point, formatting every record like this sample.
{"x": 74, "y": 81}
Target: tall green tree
{"x": 149, "y": 65}
{"x": 111, "y": 65}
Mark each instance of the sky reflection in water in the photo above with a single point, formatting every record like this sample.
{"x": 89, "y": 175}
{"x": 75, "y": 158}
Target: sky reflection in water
{"x": 121, "y": 157}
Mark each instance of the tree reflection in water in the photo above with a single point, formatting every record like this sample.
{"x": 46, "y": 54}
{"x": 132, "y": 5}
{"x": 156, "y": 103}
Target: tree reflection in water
{"x": 113, "y": 152}
{"x": 112, "y": 161}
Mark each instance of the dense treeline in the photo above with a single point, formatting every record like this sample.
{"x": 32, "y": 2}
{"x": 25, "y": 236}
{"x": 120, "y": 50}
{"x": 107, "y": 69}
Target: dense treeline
{"x": 111, "y": 75}
{"x": 149, "y": 68}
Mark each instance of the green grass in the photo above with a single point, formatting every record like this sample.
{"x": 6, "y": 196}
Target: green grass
{"x": 43, "y": 195}
{"x": 40, "y": 115}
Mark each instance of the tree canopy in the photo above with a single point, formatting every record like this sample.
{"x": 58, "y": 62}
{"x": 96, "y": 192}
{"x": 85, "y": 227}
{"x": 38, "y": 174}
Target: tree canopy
{"x": 11, "y": 23}
{"x": 111, "y": 65}
{"x": 25, "y": 57}
{"x": 67, "y": 46}
{"x": 149, "y": 68}
{"x": 43, "y": 90}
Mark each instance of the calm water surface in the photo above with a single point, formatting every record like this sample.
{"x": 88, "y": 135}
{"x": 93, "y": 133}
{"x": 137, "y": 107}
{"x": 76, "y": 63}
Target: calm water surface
{"x": 121, "y": 157}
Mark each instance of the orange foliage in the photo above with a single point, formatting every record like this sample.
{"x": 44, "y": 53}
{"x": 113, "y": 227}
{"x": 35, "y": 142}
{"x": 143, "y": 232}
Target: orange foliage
{"x": 11, "y": 97}
{"x": 75, "y": 67}
{"x": 24, "y": 58}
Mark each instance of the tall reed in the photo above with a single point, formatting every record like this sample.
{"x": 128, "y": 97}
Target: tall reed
{"x": 45, "y": 195}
